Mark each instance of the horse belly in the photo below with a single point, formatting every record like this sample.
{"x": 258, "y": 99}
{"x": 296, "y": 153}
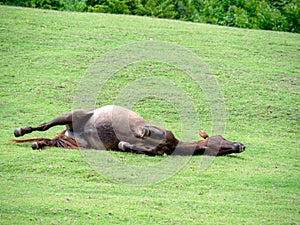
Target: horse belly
{"x": 80, "y": 139}
{"x": 111, "y": 124}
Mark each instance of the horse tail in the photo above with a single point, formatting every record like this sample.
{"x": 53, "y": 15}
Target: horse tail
{"x": 29, "y": 140}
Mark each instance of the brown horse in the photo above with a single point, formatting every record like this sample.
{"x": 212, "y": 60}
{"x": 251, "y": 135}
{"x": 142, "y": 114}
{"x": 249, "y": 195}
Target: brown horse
{"x": 119, "y": 129}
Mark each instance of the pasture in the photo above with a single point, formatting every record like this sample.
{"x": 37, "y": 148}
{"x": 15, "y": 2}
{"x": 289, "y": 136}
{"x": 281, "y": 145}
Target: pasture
{"x": 45, "y": 54}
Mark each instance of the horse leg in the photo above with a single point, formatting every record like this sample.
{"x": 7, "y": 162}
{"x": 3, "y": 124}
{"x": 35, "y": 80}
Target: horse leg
{"x": 65, "y": 142}
{"x": 67, "y": 119}
{"x": 39, "y": 144}
{"x": 153, "y": 132}
{"x": 125, "y": 146}
{"x": 61, "y": 120}
{"x": 60, "y": 140}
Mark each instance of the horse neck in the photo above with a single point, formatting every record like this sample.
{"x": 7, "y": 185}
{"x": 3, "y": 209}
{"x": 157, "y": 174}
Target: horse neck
{"x": 189, "y": 148}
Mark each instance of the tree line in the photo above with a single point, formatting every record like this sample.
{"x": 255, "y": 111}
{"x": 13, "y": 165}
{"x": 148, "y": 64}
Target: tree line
{"x": 278, "y": 15}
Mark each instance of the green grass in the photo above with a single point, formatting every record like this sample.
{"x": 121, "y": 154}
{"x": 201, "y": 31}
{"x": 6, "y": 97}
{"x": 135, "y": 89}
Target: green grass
{"x": 44, "y": 54}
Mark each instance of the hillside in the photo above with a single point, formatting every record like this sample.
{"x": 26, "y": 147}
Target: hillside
{"x": 45, "y": 55}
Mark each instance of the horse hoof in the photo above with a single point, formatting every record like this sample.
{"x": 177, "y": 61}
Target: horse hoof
{"x": 18, "y": 132}
{"x": 124, "y": 146}
{"x": 121, "y": 145}
{"x": 146, "y": 132}
{"x": 34, "y": 145}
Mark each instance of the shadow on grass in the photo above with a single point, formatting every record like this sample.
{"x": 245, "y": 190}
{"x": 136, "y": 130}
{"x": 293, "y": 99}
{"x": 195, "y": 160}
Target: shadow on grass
{"x": 236, "y": 157}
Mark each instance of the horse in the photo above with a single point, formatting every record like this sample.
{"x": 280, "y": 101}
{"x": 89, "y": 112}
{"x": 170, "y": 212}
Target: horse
{"x": 116, "y": 128}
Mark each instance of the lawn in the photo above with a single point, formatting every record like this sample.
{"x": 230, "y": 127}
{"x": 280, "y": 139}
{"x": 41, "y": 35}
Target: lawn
{"x": 47, "y": 55}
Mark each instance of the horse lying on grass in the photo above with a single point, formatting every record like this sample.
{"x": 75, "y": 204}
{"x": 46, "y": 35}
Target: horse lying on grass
{"x": 119, "y": 129}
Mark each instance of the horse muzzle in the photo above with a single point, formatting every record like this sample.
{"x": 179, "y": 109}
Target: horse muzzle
{"x": 238, "y": 147}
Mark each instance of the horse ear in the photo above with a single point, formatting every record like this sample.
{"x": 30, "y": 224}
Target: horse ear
{"x": 203, "y": 134}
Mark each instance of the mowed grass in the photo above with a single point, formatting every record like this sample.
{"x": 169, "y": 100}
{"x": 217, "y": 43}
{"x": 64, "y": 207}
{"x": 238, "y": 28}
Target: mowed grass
{"x": 44, "y": 55}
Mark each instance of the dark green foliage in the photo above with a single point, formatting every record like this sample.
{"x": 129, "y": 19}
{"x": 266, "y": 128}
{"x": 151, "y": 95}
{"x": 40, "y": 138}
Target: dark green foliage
{"x": 268, "y": 15}
{"x": 43, "y": 4}
{"x": 280, "y": 15}
{"x": 109, "y": 6}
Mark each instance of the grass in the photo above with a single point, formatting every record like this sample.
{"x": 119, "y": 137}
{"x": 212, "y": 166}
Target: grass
{"x": 44, "y": 55}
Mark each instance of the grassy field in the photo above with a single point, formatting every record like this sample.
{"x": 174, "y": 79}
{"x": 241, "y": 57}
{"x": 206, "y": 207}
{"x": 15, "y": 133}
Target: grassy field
{"x": 44, "y": 55}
